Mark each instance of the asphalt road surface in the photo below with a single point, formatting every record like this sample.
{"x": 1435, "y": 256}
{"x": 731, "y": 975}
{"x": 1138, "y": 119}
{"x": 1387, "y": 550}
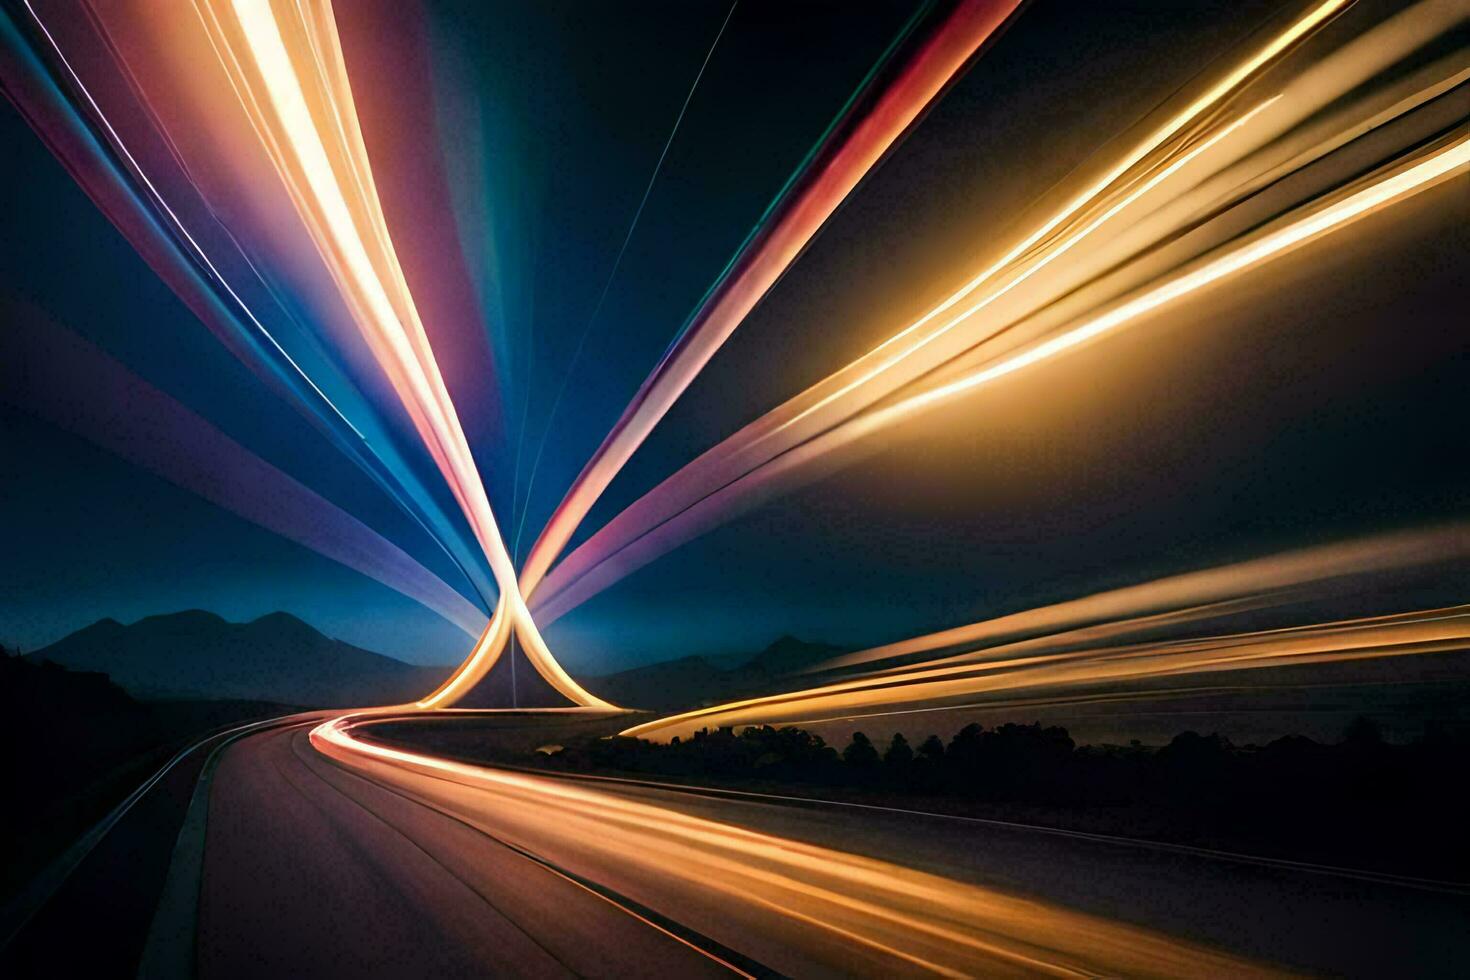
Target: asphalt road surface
{"x": 88, "y": 915}
{"x": 328, "y": 856}
{"x": 326, "y": 860}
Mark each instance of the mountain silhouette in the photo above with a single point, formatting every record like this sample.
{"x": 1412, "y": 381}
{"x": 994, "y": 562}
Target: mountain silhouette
{"x": 665, "y": 686}
{"x": 789, "y": 654}
{"x": 690, "y": 681}
{"x": 198, "y": 654}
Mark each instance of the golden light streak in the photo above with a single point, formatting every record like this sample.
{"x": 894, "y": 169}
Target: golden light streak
{"x": 1406, "y": 634}
{"x": 1089, "y": 196}
{"x": 1440, "y": 165}
{"x": 1428, "y": 168}
{"x": 1252, "y": 584}
{"x": 916, "y": 918}
{"x": 1212, "y": 181}
{"x": 1071, "y": 210}
{"x": 486, "y": 651}
{"x": 307, "y": 124}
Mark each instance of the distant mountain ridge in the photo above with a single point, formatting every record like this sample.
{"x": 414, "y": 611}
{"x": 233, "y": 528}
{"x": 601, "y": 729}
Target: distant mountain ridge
{"x": 198, "y": 654}
{"x": 690, "y": 681}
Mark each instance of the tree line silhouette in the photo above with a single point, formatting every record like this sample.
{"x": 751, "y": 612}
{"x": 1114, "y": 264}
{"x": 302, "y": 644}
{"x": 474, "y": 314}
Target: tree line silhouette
{"x": 74, "y": 743}
{"x": 1042, "y": 763}
{"x": 64, "y": 726}
{"x": 1361, "y": 795}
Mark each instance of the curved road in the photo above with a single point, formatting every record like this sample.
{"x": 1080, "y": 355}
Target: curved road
{"x": 324, "y": 855}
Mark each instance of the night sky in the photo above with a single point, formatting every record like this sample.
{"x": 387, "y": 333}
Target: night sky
{"x": 1320, "y": 399}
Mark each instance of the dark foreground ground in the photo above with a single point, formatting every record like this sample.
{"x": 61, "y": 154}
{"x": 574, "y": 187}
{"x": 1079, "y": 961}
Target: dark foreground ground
{"x": 73, "y": 745}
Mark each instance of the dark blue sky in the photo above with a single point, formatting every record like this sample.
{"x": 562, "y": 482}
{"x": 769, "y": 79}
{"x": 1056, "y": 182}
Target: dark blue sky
{"x": 1320, "y": 399}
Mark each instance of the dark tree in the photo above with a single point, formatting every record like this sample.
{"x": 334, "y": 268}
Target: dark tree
{"x": 899, "y": 756}
{"x": 963, "y": 753}
{"x": 1292, "y": 795}
{"x": 860, "y": 753}
{"x": 932, "y": 749}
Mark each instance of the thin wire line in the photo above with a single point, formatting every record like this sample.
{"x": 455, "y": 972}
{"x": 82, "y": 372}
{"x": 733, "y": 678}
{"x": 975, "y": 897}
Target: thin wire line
{"x": 612, "y": 274}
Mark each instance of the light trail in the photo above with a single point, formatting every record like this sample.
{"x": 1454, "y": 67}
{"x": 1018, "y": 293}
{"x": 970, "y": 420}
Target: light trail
{"x": 582, "y": 576}
{"x": 288, "y": 90}
{"x": 1259, "y": 583}
{"x": 306, "y": 123}
{"x": 1407, "y": 634}
{"x": 832, "y": 173}
{"x": 196, "y": 252}
{"x": 906, "y": 918}
{"x": 53, "y": 374}
{"x": 487, "y": 650}
{"x": 1113, "y": 635}
{"x": 763, "y": 438}
{"x": 612, "y": 273}
{"x": 1440, "y": 165}
{"x": 327, "y": 178}
{"x": 107, "y": 169}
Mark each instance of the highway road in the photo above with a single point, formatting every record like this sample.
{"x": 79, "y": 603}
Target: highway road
{"x": 382, "y": 862}
{"x": 320, "y": 854}
{"x": 88, "y": 914}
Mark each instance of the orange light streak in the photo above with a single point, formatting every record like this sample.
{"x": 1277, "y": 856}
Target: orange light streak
{"x": 1441, "y": 164}
{"x": 1407, "y": 634}
{"x": 1252, "y": 584}
{"x": 911, "y": 340}
{"x": 908, "y": 918}
{"x": 486, "y": 651}
{"x": 575, "y": 581}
